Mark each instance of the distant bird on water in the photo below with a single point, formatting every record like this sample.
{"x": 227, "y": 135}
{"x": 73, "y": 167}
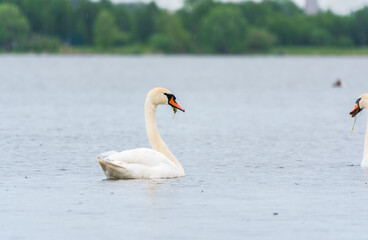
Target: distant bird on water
{"x": 338, "y": 83}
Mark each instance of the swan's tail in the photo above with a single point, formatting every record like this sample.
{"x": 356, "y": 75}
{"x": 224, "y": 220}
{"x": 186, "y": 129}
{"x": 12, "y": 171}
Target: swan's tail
{"x": 111, "y": 170}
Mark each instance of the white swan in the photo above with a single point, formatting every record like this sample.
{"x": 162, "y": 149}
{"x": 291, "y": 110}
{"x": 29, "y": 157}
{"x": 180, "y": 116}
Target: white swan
{"x": 362, "y": 103}
{"x": 157, "y": 162}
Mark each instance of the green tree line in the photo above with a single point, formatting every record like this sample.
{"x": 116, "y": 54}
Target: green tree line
{"x": 201, "y": 26}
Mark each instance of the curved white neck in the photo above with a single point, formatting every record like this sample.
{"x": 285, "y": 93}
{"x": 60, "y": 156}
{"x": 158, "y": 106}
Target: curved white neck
{"x": 365, "y": 155}
{"x": 154, "y": 136}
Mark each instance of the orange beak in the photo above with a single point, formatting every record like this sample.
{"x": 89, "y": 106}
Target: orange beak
{"x": 173, "y": 103}
{"x": 355, "y": 111}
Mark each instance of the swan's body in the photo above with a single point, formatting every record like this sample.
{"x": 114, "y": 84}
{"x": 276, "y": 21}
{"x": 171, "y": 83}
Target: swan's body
{"x": 157, "y": 162}
{"x": 139, "y": 163}
{"x": 362, "y": 103}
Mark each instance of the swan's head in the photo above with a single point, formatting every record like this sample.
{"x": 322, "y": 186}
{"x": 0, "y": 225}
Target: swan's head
{"x": 360, "y": 104}
{"x": 162, "y": 96}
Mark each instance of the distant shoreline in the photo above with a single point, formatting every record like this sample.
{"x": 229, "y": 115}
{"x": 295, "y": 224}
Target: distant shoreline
{"x": 325, "y": 50}
{"x": 277, "y": 51}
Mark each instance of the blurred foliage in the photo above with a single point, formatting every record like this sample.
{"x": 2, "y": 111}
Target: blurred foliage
{"x": 38, "y": 44}
{"x": 201, "y": 26}
{"x": 223, "y": 30}
{"x": 14, "y": 26}
{"x": 260, "y": 40}
{"x": 106, "y": 33}
{"x": 359, "y": 29}
{"x": 170, "y": 34}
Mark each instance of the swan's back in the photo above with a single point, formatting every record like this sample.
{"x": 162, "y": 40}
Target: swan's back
{"x": 137, "y": 163}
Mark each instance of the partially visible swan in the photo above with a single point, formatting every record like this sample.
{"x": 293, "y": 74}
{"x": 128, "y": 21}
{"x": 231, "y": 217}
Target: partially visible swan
{"x": 157, "y": 162}
{"x": 362, "y": 103}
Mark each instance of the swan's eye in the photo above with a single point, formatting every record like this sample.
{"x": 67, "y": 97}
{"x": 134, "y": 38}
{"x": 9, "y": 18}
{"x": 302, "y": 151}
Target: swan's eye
{"x": 357, "y": 101}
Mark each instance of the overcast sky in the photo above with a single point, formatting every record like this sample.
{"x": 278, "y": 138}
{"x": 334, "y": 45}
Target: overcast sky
{"x": 338, "y": 6}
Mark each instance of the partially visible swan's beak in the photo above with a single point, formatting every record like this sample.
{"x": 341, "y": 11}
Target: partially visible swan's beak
{"x": 356, "y": 110}
{"x": 174, "y": 104}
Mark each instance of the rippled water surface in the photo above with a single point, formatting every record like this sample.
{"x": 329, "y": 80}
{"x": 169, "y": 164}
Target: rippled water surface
{"x": 265, "y": 141}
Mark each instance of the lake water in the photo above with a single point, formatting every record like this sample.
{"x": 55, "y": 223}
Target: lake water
{"x": 265, "y": 142}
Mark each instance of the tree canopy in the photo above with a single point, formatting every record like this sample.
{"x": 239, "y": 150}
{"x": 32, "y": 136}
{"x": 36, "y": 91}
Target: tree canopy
{"x": 14, "y": 26}
{"x": 223, "y": 30}
{"x": 201, "y": 26}
{"x": 105, "y": 30}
